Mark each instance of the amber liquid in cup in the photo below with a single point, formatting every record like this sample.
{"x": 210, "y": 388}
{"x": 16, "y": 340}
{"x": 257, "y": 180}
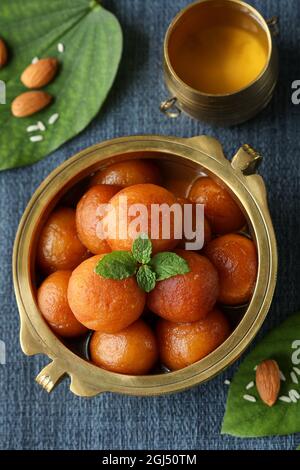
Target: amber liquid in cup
{"x": 218, "y": 48}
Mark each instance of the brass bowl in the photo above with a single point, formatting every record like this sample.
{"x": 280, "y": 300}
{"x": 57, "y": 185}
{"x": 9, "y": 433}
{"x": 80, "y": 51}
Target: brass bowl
{"x": 219, "y": 109}
{"x": 179, "y": 157}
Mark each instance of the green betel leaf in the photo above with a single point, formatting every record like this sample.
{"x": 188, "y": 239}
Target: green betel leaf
{"x": 166, "y": 265}
{"x": 92, "y": 40}
{"x": 255, "y": 419}
{"x": 146, "y": 278}
{"x": 142, "y": 249}
{"x": 117, "y": 265}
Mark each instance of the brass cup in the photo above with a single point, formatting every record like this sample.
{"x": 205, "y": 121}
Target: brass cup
{"x": 176, "y": 156}
{"x": 220, "y": 109}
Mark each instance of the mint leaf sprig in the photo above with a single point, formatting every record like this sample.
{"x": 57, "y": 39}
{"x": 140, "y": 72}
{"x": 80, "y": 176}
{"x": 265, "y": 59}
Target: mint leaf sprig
{"x": 120, "y": 265}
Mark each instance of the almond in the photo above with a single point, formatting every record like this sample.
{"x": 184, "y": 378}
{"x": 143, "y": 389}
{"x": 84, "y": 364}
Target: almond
{"x": 268, "y": 381}
{"x": 29, "y": 103}
{"x": 3, "y": 53}
{"x": 40, "y": 73}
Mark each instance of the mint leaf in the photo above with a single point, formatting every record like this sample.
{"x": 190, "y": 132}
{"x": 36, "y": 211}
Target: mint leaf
{"x": 146, "y": 278}
{"x": 117, "y": 265}
{"x": 142, "y": 249}
{"x": 120, "y": 265}
{"x": 247, "y": 419}
{"x": 166, "y": 265}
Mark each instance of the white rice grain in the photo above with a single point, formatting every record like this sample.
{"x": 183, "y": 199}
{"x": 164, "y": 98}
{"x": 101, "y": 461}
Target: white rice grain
{"x": 249, "y": 398}
{"x": 60, "y": 47}
{"x": 227, "y": 382}
{"x": 36, "y": 138}
{"x": 35, "y": 60}
{"x": 282, "y": 376}
{"x": 33, "y": 128}
{"x": 52, "y": 119}
{"x": 42, "y": 126}
{"x": 294, "y": 378}
{"x": 250, "y": 385}
{"x": 293, "y": 395}
{"x": 297, "y": 370}
{"x": 285, "y": 399}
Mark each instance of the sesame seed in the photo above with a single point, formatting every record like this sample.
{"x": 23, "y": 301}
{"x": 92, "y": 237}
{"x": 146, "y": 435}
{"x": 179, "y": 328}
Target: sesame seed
{"x": 297, "y": 370}
{"x": 292, "y": 395}
{"x": 36, "y": 138}
{"x": 294, "y": 378}
{"x": 285, "y": 399}
{"x": 282, "y": 376}
{"x": 33, "y": 128}
{"x": 35, "y": 60}
{"x": 295, "y": 394}
{"x": 249, "y": 398}
{"x": 227, "y": 382}
{"x": 250, "y": 385}
{"x": 41, "y": 126}
{"x": 60, "y": 47}
{"x": 53, "y": 118}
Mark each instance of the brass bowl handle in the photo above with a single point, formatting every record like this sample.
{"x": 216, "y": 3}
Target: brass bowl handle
{"x": 273, "y": 24}
{"x": 50, "y": 376}
{"x": 246, "y": 160}
{"x": 170, "y": 109}
{"x": 55, "y": 372}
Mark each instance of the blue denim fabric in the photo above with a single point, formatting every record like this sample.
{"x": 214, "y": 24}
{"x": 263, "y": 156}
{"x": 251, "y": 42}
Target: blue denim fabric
{"x": 32, "y": 419}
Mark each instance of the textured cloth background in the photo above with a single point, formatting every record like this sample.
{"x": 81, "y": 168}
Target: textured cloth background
{"x": 32, "y": 419}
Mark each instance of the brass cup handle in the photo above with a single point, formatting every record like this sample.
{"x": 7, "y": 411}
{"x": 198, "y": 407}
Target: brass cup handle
{"x": 273, "y": 24}
{"x": 170, "y": 109}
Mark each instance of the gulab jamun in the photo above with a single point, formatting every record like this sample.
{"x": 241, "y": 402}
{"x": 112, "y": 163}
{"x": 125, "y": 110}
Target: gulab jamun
{"x": 54, "y": 306}
{"x": 102, "y": 304}
{"x": 128, "y": 173}
{"x": 132, "y": 351}
{"x": 183, "y": 344}
{"x": 124, "y": 227}
{"x": 89, "y": 216}
{"x": 235, "y": 258}
{"x": 194, "y": 226}
{"x": 177, "y": 186}
{"x": 222, "y": 212}
{"x": 59, "y": 247}
{"x": 186, "y": 297}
